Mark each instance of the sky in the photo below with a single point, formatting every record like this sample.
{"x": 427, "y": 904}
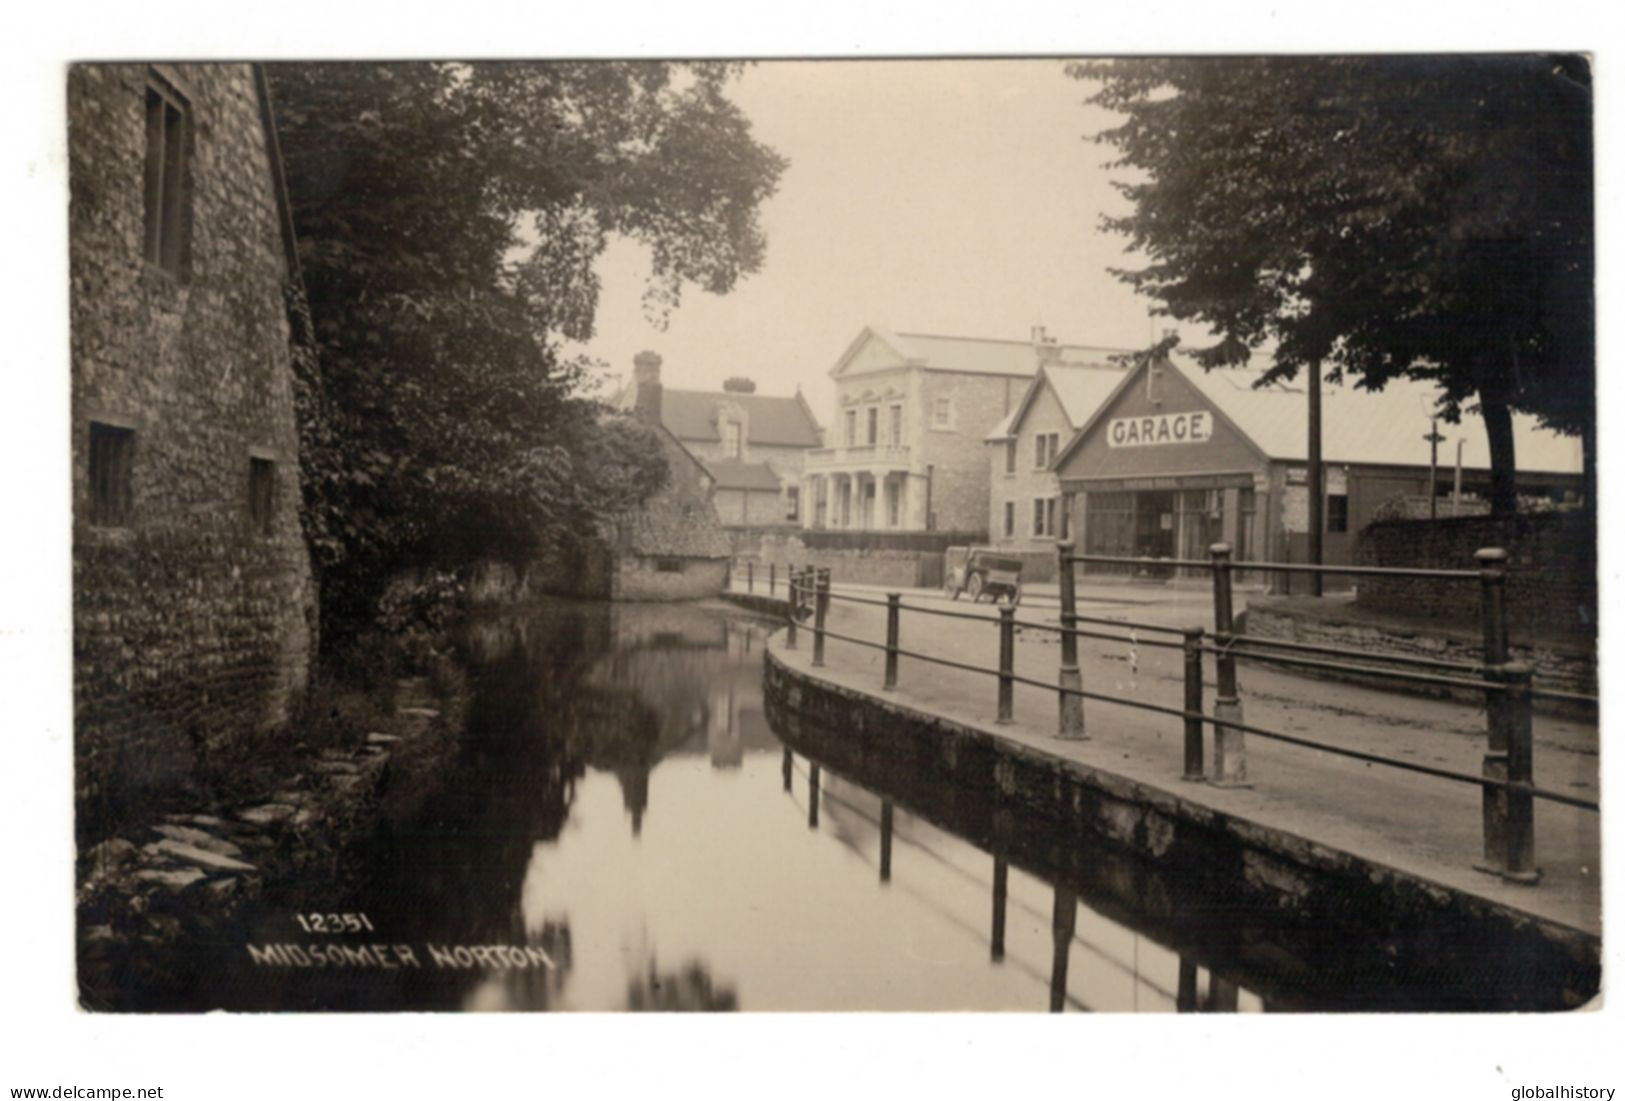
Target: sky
{"x": 957, "y": 197}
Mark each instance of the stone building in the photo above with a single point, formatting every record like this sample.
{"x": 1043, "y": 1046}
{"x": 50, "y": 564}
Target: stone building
{"x": 673, "y": 548}
{"x": 754, "y": 445}
{"x": 193, "y": 602}
{"x": 912, "y": 410}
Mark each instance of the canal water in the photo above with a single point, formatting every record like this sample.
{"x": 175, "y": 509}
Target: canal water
{"x": 620, "y": 828}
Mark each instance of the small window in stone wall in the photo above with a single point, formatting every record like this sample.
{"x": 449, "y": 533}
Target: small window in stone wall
{"x": 112, "y": 467}
{"x": 668, "y": 565}
{"x": 261, "y": 495}
{"x": 1337, "y": 512}
{"x": 169, "y": 120}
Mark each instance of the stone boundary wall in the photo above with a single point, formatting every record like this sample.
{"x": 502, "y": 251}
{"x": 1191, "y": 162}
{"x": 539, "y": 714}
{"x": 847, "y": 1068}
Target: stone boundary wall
{"x": 1551, "y": 569}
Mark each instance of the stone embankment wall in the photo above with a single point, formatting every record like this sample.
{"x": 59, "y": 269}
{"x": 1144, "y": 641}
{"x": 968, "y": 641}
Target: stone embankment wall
{"x": 194, "y": 610}
{"x": 1316, "y": 902}
{"x": 1551, "y": 569}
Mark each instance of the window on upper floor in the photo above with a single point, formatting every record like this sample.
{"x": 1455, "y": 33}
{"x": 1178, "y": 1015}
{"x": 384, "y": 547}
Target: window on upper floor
{"x": 1009, "y": 518}
{"x": 169, "y": 121}
{"x": 1010, "y": 456}
{"x": 792, "y": 503}
{"x": 851, "y": 427}
{"x": 896, "y": 424}
{"x": 1046, "y": 445}
{"x": 730, "y": 439}
{"x": 112, "y": 468}
{"x": 942, "y": 412}
{"x": 873, "y": 436}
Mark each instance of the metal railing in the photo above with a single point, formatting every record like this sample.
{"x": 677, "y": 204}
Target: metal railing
{"x": 1507, "y": 776}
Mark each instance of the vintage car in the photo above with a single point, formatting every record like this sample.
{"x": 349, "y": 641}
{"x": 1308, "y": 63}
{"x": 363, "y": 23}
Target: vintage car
{"x": 979, "y": 571}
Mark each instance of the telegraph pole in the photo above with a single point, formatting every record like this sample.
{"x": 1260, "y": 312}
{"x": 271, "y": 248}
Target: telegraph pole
{"x": 1434, "y": 439}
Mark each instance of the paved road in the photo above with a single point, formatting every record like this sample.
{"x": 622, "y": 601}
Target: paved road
{"x": 1419, "y": 823}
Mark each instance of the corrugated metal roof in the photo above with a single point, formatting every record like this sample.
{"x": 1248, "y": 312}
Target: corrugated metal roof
{"x": 978, "y": 355}
{"x": 770, "y": 421}
{"x": 734, "y": 474}
{"x": 1364, "y": 426}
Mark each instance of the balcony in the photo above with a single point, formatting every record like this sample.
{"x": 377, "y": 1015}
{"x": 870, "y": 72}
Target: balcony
{"x": 868, "y": 456}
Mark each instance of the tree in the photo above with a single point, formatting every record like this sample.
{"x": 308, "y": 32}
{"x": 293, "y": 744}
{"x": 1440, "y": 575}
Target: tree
{"x": 448, "y": 219}
{"x": 1388, "y": 216}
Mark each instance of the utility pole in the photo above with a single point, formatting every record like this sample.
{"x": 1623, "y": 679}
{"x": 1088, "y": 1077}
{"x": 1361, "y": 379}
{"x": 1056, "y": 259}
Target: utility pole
{"x": 1434, "y": 439}
{"x": 1317, "y": 499}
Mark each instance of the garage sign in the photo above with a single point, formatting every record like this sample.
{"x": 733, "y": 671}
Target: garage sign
{"x": 1165, "y": 428}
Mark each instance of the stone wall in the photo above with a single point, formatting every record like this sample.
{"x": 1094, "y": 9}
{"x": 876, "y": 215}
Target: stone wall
{"x": 957, "y": 453}
{"x": 1561, "y": 668}
{"x": 1551, "y": 569}
{"x": 893, "y": 568}
{"x": 194, "y": 619}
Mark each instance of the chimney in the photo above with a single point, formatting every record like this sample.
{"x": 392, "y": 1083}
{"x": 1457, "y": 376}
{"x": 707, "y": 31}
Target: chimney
{"x": 1046, "y": 347}
{"x": 646, "y": 379}
{"x": 739, "y": 385}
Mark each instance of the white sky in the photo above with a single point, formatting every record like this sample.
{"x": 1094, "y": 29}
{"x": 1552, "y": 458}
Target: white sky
{"x": 954, "y": 197}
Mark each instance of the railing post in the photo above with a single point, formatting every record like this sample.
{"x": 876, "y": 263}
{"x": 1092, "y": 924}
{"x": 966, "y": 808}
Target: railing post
{"x": 1071, "y": 676}
{"x": 1229, "y": 744}
{"x": 885, "y": 840}
{"x": 812, "y": 796}
{"x": 1492, "y": 580}
{"x": 1193, "y": 704}
{"x": 1001, "y": 880}
{"x": 750, "y": 576}
{"x": 789, "y": 765}
{"x": 894, "y": 608}
{"x": 1007, "y": 662}
{"x": 772, "y": 578}
{"x": 820, "y": 610}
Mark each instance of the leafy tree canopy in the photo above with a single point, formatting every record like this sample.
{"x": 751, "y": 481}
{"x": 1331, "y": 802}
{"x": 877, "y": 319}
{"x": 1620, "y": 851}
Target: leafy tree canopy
{"x": 448, "y": 218}
{"x": 1429, "y": 217}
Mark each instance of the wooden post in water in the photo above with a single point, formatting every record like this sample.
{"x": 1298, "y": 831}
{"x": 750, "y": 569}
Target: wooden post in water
{"x": 885, "y": 840}
{"x": 1001, "y": 876}
{"x": 1071, "y": 675}
{"x": 1229, "y": 744}
{"x": 1063, "y": 923}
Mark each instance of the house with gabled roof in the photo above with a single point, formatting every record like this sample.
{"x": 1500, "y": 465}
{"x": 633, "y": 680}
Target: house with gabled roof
{"x": 906, "y": 443}
{"x": 1025, "y": 514}
{"x": 1177, "y": 458}
{"x": 754, "y": 445}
